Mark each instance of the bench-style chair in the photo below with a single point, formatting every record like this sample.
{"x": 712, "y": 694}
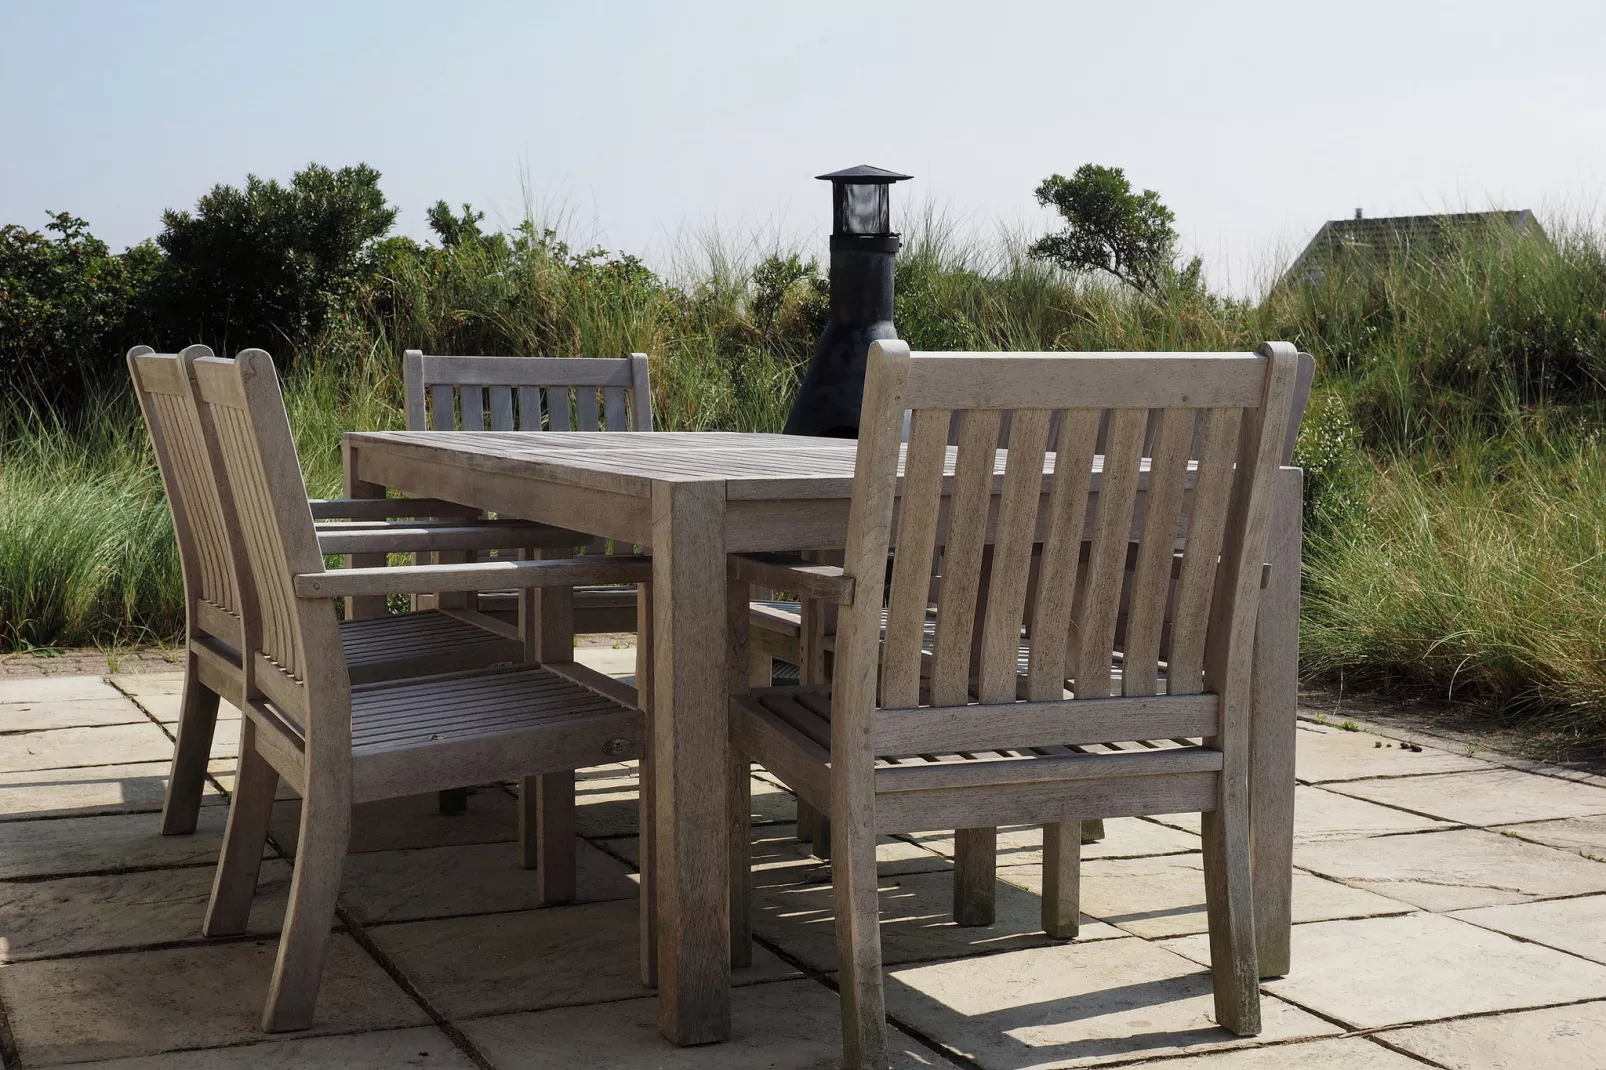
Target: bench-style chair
{"x": 889, "y": 747}
{"x": 339, "y": 743}
{"x": 205, "y": 521}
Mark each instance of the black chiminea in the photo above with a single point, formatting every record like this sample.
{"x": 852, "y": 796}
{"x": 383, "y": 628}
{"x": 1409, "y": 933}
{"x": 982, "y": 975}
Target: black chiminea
{"x": 862, "y": 249}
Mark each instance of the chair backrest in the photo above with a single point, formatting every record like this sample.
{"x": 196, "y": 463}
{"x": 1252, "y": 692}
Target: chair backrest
{"x": 199, "y": 522}
{"x": 1201, "y": 434}
{"x": 292, "y": 652}
{"x": 527, "y": 393}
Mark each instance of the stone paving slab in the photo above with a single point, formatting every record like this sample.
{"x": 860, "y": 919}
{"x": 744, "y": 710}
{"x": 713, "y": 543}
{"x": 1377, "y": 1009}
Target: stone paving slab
{"x": 1326, "y": 752}
{"x": 68, "y": 713}
{"x": 534, "y": 959}
{"x": 1124, "y": 837}
{"x": 77, "y": 845}
{"x": 411, "y": 821}
{"x": 56, "y": 688}
{"x": 1559, "y": 1038}
{"x": 1161, "y": 897}
{"x": 101, "y": 789}
{"x": 1487, "y": 797}
{"x": 483, "y": 878}
{"x": 114, "y": 1006}
{"x": 421, "y": 1048}
{"x": 1393, "y": 971}
{"x": 47, "y": 919}
{"x": 1586, "y": 835}
{"x": 1323, "y": 814}
{"x": 607, "y": 806}
{"x": 1345, "y": 1053}
{"x": 1076, "y": 1004}
{"x": 63, "y": 748}
{"x": 916, "y": 921}
{"x": 148, "y": 684}
{"x": 1453, "y": 870}
{"x": 787, "y": 1025}
{"x": 1575, "y": 925}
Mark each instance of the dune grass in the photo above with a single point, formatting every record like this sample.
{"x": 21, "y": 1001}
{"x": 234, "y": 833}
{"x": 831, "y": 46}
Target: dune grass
{"x": 1456, "y": 476}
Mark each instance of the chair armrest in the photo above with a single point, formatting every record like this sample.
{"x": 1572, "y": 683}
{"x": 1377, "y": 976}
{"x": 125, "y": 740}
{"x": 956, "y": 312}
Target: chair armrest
{"x": 479, "y": 576}
{"x": 386, "y": 508}
{"x": 399, "y": 538}
{"x": 788, "y": 572}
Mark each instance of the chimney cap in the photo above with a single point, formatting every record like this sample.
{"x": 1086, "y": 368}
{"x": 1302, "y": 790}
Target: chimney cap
{"x": 864, "y": 174}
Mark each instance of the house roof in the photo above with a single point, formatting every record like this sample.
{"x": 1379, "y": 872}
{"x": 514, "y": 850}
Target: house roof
{"x": 1383, "y": 236}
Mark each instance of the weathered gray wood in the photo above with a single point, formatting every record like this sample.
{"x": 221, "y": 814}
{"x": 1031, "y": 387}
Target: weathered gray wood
{"x": 691, "y": 753}
{"x": 785, "y": 572}
{"x": 738, "y": 785}
{"x": 478, "y": 576}
{"x": 1062, "y": 852}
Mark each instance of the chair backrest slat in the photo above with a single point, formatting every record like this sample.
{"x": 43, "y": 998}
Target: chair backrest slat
{"x": 1012, "y": 555}
{"x": 1151, "y": 579}
{"x": 478, "y": 384}
{"x": 585, "y": 408}
{"x": 1160, "y": 421}
{"x": 919, "y": 507}
{"x": 502, "y": 408}
{"x": 962, "y": 556}
{"x": 1106, "y": 563}
{"x": 1207, "y": 523}
{"x": 613, "y": 404}
{"x": 1053, "y": 631}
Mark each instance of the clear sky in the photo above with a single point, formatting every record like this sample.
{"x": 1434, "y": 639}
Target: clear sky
{"x": 647, "y": 125}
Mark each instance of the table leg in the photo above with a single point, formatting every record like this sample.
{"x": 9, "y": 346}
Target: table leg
{"x": 365, "y": 605}
{"x": 1275, "y": 695}
{"x": 691, "y": 754}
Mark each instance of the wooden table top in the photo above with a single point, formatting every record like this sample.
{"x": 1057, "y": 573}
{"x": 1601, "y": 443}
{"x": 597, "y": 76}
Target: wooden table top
{"x": 752, "y": 466}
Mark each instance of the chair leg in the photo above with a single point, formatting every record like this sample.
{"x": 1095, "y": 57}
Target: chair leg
{"x": 822, "y": 836}
{"x": 806, "y": 816}
{"x": 186, "y": 782}
{"x": 547, "y": 834}
{"x": 1093, "y": 830}
{"x": 1062, "y": 878}
{"x": 1229, "y": 902}
{"x": 314, "y": 887}
{"x": 858, "y": 946}
{"x": 740, "y": 801}
{"x": 235, "y": 881}
{"x": 975, "y": 875}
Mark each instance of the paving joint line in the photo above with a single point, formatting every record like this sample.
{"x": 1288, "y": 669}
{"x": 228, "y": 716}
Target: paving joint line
{"x": 458, "y": 1038}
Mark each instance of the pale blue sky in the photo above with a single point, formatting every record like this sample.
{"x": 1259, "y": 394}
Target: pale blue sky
{"x": 648, "y": 124}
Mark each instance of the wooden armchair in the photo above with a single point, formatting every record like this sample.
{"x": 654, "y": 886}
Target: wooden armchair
{"x": 887, "y": 747}
{"x": 338, "y": 742}
{"x": 206, "y": 524}
{"x": 447, "y": 393}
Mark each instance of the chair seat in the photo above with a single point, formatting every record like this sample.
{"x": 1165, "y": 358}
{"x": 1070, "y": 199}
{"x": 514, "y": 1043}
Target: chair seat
{"x": 788, "y": 731}
{"x": 415, "y": 644}
{"x": 482, "y": 726}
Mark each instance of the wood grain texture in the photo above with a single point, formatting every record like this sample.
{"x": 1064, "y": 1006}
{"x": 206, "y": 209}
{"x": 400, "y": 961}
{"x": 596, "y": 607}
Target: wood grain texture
{"x": 691, "y": 753}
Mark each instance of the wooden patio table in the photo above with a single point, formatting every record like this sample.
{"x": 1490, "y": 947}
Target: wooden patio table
{"x": 693, "y": 497}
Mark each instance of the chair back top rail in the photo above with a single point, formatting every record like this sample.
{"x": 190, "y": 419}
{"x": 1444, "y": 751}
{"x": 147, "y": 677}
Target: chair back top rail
{"x": 1225, "y": 416}
{"x": 200, "y": 526}
{"x": 449, "y": 393}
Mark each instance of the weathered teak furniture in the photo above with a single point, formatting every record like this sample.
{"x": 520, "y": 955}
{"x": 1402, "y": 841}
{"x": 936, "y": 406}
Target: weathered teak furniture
{"x": 693, "y": 498}
{"x": 204, "y": 521}
{"x": 889, "y": 747}
{"x": 337, "y": 743}
{"x": 446, "y": 393}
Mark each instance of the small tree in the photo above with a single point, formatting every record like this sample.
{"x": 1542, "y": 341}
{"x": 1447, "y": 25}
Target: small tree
{"x": 1109, "y": 228}
{"x": 261, "y": 266}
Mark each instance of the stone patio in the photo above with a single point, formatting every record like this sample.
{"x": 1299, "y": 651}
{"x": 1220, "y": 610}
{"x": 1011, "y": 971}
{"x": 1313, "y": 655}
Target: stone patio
{"x": 1449, "y": 907}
